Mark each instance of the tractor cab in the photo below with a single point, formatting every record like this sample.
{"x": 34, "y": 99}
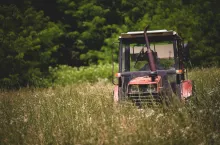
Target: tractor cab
{"x": 151, "y": 66}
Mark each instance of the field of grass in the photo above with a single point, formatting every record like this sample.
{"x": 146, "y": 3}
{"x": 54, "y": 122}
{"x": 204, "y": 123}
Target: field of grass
{"x": 84, "y": 113}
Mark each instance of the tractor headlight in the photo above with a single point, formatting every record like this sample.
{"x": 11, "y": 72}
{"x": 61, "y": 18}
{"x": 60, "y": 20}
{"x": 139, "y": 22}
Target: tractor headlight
{"x": 134, "y": 88}
{"x": 147, "y": 88}
{"x": 151, "y": 88}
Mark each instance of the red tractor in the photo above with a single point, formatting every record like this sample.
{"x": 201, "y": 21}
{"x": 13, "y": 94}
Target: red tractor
{"x": 151, "y": 67}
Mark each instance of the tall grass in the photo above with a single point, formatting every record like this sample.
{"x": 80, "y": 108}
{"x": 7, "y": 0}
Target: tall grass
{"x": 84, "y": 113}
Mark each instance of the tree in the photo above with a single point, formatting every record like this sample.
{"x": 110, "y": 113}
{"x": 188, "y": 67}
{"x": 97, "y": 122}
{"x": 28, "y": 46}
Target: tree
{"x": 205, "y": 34}
{"x": 28, "y": 40}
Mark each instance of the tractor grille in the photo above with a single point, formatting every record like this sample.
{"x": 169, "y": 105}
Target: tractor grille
{"x": 149, "y": 99}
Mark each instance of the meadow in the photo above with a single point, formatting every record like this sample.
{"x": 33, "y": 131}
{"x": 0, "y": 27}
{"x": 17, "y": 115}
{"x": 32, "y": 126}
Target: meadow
{"x": 84, "y": 113}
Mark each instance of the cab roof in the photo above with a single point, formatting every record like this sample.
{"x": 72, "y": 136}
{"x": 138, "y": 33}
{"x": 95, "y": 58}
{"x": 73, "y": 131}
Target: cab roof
{"x": 153, "y": 36}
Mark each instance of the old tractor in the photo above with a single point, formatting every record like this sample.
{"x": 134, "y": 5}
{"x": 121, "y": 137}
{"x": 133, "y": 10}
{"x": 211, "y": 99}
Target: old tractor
{"x": 152, "y": 67}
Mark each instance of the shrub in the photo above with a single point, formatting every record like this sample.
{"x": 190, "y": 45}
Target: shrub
{"x": 64, "y": 74}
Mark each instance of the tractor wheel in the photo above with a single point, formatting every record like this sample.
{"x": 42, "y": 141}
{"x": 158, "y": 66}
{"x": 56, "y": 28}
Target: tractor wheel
{"x": 168, "y": 96}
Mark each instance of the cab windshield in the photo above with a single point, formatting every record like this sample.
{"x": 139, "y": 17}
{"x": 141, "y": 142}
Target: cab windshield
{"x": 135, "y": 58}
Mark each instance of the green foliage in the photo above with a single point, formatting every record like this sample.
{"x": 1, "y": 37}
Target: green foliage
{"x": 28, "y": 42}
{"x": 63, "y": 74}
{"x": 166, "y": 63}
{"x": 205, "y": 45}
{"x": 36, "y": 34}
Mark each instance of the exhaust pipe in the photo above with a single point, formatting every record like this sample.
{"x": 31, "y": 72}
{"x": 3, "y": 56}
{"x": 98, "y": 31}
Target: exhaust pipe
{"x": 149, "y": 52}
{"x": 153, "y": 74}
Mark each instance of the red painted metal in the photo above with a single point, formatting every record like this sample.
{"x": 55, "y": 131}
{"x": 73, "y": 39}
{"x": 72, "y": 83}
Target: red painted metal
{"x": 147, "y": 81}
{"x": 116, "y": 94}
{"x": 144, "y": 80}
{"x": 186, "y": 89}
